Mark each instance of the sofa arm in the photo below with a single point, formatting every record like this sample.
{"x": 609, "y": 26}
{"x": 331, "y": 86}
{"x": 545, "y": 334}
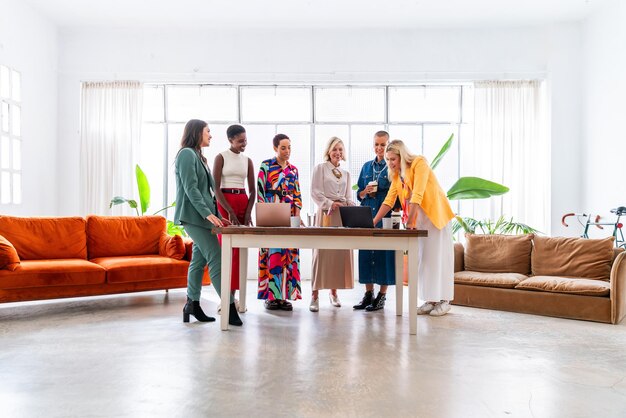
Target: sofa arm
{"x": 459, "y": 254}
{"x": 618, "y": 289}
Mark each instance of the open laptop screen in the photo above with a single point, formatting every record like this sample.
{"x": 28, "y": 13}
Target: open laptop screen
{"x": 356, "y": 216}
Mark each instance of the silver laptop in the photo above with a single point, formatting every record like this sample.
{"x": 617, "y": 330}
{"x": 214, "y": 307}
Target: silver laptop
{"x": 273, "y": 214}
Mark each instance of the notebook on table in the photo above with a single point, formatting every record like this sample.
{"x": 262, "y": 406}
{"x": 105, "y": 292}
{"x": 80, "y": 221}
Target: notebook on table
{"x": 273, "y": 214}
{"x": 356, "y": 216}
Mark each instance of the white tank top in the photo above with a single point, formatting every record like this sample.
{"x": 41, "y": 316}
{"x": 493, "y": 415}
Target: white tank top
{"x": 235, "y": 170}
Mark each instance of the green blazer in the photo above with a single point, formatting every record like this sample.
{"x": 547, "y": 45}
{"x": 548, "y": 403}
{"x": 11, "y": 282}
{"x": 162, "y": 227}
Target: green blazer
{"x": 194, "y": 201}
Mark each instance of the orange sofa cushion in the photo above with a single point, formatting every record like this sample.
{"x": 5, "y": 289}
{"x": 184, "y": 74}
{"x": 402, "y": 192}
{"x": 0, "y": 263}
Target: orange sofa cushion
{"x": 46, "y": 238}
{"x": 573, "y": 257}
{"x": 172, "y": 246}
{"x": 115, "y": 236}
{"x": 58, "y": 272}
{"x": 141, "y": 268}
{"x": 498, "y": 253}
{"x": 9, "y": 259}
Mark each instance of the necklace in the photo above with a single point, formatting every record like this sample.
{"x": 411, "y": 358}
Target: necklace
{"x": 336, "y": 172}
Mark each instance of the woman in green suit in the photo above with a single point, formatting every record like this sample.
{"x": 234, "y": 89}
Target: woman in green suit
{"x": 197, "y": 212}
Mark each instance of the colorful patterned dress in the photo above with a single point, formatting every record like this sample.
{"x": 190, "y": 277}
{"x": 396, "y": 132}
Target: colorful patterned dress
{"x": 277, "y": 184}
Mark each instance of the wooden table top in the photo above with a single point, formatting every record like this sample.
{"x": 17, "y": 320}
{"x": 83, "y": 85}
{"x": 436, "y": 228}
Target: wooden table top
{"x": 327, "y": 231}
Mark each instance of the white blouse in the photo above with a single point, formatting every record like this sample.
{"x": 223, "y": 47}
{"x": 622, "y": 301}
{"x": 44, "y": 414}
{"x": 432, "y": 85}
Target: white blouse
{"x": 234, "y": 171}
{"x": 327, "y": 188}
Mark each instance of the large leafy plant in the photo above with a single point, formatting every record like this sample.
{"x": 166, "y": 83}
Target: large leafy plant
{"x": 468, "y": 187}
{"x": 143, "y": 187}
{"x": 487, "y": 226}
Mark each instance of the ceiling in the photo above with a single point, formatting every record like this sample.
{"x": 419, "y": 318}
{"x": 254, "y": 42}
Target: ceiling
{"x": 318, "y": 14}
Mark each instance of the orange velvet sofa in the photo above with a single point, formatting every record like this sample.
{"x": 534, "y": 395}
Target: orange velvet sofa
{"x": 48, "y": 258}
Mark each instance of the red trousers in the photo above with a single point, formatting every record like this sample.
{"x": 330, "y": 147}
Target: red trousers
{"x": 239, "y": 203}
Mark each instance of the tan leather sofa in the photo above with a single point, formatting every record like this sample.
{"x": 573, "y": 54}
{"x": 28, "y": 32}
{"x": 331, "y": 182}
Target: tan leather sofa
{"x": 563, "y": 277}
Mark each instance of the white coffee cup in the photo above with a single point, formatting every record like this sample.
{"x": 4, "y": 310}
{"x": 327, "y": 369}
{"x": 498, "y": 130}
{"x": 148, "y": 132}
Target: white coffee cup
{"x": 387, "y": 223}
{"x": 373, "y": 183}
{"x": 294, "y": 221}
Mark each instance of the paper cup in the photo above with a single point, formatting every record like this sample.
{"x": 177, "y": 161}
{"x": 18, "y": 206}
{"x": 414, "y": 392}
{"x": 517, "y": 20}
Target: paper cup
{"x": 375, "y": 184}
{"x": 294, "y": 221}
{"x": 387, "y": 223}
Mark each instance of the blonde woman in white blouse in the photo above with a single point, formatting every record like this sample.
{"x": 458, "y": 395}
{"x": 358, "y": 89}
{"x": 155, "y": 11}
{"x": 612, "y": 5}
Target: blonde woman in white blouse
{"x": 330, "y": 189}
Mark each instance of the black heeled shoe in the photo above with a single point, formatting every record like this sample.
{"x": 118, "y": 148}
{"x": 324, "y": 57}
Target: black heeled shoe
{"x": 233, "y": 316}
{"x": 192, "y": 307}
{"x": 365, "y": 302}
{"x": 378, "y": 303}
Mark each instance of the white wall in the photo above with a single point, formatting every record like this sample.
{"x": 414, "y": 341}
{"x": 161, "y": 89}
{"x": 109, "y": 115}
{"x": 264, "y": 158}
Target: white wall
{"x": 552, "y": 53}
{"x": 604, "y": 107}
{"x": 28, "y": 43}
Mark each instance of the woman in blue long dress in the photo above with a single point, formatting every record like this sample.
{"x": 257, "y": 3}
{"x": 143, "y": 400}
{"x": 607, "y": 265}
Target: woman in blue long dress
{"x": 375, "y": 267}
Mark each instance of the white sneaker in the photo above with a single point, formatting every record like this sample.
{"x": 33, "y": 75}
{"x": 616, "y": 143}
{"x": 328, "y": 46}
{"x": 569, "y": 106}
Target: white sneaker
{"x": 315, "y": 305}
{"x": 441, "y": 308}
{"x": 426, "y": 308}
{"x": 334, "y": 300}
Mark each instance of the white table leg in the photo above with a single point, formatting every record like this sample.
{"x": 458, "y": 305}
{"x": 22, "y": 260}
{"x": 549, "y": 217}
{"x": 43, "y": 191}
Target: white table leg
{"x": 399, "y": 276}
{"x": 226, "y": 269}
{"x": 243, "y": 277}
{"x": 413, "y": 268}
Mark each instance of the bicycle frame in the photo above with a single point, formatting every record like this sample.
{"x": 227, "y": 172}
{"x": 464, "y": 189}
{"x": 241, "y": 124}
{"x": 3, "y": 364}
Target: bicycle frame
{"x": 585, "y": 220}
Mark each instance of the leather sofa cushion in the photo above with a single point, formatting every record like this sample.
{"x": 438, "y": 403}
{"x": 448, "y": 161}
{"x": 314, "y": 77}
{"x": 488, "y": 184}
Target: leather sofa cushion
{"x": 573, "y": 286}
{"x": 141, "y": 268}
{"x": 498, "y": 253}
{"x": 572, "y": 257}
{"x": 476, "y": 278}
{"x": 59, "y": 272}
{"x": 9, "y": 259}
{"x": 46, "y": 238}
{"x": 114, "y": 236}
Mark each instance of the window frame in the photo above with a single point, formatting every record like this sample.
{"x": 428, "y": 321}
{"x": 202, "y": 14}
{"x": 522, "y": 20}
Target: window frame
{"x": 312, "y": 121}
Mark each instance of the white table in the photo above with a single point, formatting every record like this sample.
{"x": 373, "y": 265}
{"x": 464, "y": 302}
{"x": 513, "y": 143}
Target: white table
{"x": 245, "y": 237}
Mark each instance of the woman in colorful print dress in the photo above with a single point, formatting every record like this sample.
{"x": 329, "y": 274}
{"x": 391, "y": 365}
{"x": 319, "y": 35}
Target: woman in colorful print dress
{"x": 279, "y": 268}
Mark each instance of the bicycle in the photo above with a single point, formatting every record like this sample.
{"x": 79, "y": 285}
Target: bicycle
{"x": 585, "y": 220}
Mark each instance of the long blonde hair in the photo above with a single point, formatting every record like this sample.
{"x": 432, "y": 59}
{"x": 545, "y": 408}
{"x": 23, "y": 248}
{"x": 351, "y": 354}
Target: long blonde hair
{"x": 406, "y": 157}
{"x": 330, "y": 145}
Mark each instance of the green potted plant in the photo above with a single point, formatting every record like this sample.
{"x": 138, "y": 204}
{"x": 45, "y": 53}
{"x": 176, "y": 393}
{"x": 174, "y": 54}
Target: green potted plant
{"x": 143, "y": 187}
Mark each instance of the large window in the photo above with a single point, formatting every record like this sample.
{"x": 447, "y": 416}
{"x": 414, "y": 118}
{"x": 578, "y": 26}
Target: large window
{"x": 423, "y": 116}
{"x": 10, "y": 136}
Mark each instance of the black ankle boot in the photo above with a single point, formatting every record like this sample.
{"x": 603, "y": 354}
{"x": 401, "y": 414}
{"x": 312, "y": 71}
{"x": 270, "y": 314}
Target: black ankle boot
{"x": 378, "y": 303}
{"x": 367, "y": 300}
{"x": 233, "y": 316}
{"x": 192, "y": 307}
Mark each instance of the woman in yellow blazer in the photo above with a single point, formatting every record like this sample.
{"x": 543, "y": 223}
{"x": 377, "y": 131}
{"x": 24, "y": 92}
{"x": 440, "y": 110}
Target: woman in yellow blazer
{"x": 424, "y": 206}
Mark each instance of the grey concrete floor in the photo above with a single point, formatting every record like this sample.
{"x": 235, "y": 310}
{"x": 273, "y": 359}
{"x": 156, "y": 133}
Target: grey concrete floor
{"x": 131, "y": 356}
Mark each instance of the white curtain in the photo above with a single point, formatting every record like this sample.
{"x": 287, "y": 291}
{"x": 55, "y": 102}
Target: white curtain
{"x": 511, "y": 146}
{"x": 110, "y": 132}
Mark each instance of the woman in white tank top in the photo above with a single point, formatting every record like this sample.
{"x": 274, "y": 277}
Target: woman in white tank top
{"x": 231, "y": 169}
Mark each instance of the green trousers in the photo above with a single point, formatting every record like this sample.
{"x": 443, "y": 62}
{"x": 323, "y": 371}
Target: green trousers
{"x": 206, "y": 250}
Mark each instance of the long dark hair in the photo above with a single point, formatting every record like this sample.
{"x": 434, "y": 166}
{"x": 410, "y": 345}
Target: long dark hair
{"x": 192, "y": 137}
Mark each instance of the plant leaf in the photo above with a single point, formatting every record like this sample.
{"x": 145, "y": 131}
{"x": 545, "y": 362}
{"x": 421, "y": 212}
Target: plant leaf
{"x": 173, "y": 229}
{"x": 442, "y": 152}
{"x": 144, "y": 188}
{"x": 475, "y": 188}
{"x": 117, "y": 200}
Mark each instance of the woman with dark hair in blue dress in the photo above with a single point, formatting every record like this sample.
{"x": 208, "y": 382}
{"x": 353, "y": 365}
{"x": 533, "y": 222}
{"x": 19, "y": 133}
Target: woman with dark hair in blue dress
{"x": 375, "y": 267}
